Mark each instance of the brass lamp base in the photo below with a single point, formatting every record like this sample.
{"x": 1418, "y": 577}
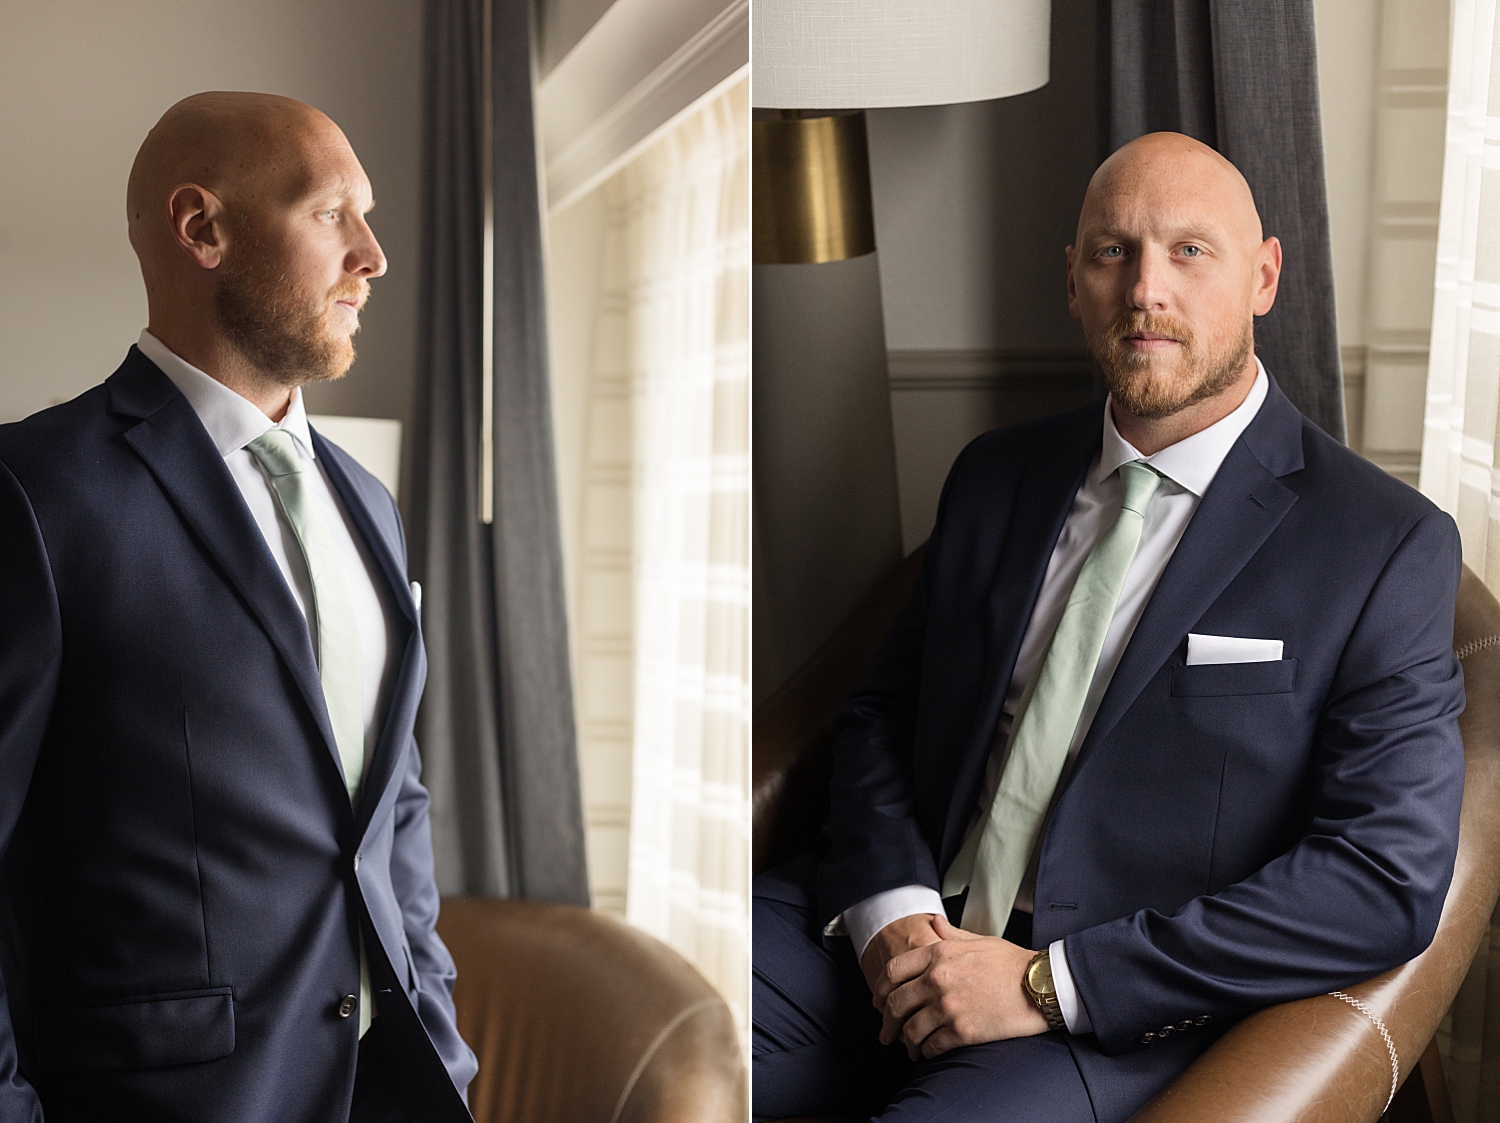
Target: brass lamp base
{"x": 811, "y": 197}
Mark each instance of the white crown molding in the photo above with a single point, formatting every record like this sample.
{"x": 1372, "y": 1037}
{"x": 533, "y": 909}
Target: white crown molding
{"x": 643, "y": 66}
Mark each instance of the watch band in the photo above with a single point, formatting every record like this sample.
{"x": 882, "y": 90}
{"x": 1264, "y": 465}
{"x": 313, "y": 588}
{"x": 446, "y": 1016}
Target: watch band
{"x": 1045, "y": 1000}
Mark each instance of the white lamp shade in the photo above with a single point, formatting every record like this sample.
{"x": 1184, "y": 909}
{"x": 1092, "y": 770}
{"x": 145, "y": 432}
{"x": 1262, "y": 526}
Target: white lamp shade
{"x": 865, "y": 54}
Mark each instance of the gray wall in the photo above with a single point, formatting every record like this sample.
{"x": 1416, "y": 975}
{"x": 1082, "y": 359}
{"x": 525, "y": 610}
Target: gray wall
{"x": 81, "y": 82}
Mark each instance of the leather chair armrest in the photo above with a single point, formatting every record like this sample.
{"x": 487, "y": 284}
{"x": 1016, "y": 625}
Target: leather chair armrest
{"x": 577, "y": 1018}
{"x": 1320, "y": 1060}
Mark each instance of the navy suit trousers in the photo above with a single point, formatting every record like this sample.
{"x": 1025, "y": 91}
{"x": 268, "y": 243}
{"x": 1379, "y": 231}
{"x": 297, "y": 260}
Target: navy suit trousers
{"x": 816, "y": 1041}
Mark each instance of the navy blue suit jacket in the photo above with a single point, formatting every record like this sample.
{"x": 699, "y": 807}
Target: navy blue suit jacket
{"x": 185, "y": 878}
{"x": 1231, "y": 836}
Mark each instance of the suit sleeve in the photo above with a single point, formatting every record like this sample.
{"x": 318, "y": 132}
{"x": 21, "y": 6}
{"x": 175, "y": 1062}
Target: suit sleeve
{"x": 30, "y": 656}
{"x": 1362, "y": 889}
{"x": 416, "y": 890}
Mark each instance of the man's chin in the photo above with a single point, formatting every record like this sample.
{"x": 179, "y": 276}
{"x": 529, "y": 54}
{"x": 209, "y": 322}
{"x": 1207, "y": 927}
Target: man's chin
{"x": 1149, "y": 391}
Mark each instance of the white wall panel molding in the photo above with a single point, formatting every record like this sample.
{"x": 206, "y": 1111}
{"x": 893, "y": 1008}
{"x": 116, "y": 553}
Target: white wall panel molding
{"x": 1017, "y": 371}
{"x": 1410, "y": 97}
{"x": 642, "y": 67}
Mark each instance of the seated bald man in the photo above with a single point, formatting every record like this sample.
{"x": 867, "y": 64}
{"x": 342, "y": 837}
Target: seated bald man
{"x": 1166, "y": 734}
{"x": 218, "y": 886}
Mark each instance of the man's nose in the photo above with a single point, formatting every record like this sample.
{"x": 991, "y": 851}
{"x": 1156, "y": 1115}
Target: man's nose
{"x": 366, "y": 258}
{"x": 1150, "y": 288}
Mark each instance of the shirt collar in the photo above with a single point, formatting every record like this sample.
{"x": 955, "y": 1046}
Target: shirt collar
{"x": 232, "y": 421}
{"x": 1193, "y": 461}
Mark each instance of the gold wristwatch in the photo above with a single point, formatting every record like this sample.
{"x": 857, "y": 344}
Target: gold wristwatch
{"x": 1039, "y": 987}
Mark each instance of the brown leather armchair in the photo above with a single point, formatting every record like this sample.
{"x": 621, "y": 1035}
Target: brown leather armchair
{"x": 577, "y": 1018}
{"x": 1317, "y": 1060}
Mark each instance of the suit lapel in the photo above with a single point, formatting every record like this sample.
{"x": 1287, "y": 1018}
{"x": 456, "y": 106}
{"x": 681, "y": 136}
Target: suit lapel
{"x": 178, "y": 451}
{"x": 404, "y": 639}
{"x": 1242, "y": 507}
{"x": 1045, "y": 496}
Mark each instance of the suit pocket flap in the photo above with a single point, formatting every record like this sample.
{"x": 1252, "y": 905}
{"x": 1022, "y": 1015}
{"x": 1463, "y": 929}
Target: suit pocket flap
{"x": 168, "y": 1029}
{"x": 1206, "y": 680}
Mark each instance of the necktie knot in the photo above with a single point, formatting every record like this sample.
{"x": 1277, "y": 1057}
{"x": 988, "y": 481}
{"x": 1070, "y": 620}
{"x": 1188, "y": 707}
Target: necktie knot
{"x": 1141, "y": 482}
{"x": 276, "y": 452}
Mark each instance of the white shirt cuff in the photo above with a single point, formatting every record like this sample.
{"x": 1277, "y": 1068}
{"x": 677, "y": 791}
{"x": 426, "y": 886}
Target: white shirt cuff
{"x": 1074, "y": 1015}
{"x": 862, "y": 921}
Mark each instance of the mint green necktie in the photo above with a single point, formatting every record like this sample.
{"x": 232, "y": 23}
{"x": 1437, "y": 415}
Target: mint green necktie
{"x": 995, "y": 857}
{"x": 340, "y": 656}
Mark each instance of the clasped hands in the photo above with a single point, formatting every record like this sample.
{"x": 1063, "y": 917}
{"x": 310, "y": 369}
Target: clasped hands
{"x": 938, "y": 987}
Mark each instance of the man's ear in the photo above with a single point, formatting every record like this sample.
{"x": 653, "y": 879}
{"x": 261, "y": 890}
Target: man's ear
{"x": 198, "y": 224}
{"x": 1267, "y": 275}
{"x": 1072, "y": 289}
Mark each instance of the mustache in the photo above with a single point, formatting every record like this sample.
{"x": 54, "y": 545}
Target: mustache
{"x": 355, "y": 290}
{"x": 1157, "y": 323}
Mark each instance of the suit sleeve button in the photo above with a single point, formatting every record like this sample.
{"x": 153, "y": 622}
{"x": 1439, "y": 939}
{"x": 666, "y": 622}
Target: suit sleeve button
{"x": 1188, "y": 1024}
{"x": 1165, "y": 1031}
{"x": 1147, "y": 1038}
{"x": 347, "y": 1005}
{"x": 1203, "y": 1020}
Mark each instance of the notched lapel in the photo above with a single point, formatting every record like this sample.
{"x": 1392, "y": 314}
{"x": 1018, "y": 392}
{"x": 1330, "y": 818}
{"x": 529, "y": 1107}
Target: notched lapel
{"x": 1241, "y": 509}
{"x": 172, "y": 442}
{"x": 1045, "y": 496}
{"x": 401, "y": 713}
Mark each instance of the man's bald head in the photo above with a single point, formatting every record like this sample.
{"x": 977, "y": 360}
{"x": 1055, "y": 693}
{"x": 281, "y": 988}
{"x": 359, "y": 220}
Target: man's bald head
{"x": 247, "y": 212}
{"x": 240, "y": 146}
{"x": 1167, "y": 171}
{"x": 1169, "y": 269}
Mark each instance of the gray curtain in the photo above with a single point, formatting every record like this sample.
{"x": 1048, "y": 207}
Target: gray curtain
{"x": 1243, "y": 77}
{"x": 496, "y": 726}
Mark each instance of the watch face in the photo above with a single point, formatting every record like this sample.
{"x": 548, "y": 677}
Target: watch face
{"x": 1039, "y": 975}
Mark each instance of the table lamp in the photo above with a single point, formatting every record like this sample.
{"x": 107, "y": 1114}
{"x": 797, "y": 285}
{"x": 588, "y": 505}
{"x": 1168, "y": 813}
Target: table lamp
{"x": 827, "y": 518}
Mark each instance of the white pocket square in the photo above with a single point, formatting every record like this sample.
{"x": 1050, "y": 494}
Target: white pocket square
{"x": 1231, "y": 649}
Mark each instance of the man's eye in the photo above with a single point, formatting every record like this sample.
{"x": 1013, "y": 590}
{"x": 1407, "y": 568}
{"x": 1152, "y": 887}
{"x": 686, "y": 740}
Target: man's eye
{"x": 1191, "y": 251}
{"x": 327, "y": 213}
{"x": 1112, "y": 251}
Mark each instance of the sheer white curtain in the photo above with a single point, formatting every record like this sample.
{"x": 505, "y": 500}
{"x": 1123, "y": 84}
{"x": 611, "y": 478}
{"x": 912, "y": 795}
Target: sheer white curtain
{"x": 1458, "y": 445}
{"x": 684, "y": 206}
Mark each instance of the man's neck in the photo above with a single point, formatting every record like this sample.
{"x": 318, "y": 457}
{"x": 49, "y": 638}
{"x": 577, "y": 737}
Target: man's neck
{"x": 1149, "y": 435}
{"x": 217, "y": 358}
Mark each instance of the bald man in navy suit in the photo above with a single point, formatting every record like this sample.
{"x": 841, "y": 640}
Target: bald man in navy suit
{"x": 1255, "y": 794}
{"x": 218, "y": 886}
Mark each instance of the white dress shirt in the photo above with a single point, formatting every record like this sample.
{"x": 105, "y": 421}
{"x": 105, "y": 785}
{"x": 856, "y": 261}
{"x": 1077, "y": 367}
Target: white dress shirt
{"x": 1187, "y": 467}
{"x": 233, "y": 422}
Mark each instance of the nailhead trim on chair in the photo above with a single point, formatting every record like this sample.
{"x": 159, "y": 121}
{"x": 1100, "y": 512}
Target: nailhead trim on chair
{"x": 1473, "y": 647}
{"x": 1385, "y": 1034}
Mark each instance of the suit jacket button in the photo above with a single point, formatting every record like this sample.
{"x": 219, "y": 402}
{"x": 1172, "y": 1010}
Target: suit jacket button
{"x": 1147, "y": 1038}
{"x": 347, "y": 1005}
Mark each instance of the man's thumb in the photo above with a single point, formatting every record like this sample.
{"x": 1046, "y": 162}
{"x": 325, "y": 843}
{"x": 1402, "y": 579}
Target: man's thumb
{"x": 947, "y": 931}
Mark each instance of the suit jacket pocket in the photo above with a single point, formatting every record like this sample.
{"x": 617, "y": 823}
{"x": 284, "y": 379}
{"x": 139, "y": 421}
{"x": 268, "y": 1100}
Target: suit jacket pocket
{"x": 1209, "y": 680}
{"x": 165, "y": 1029}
